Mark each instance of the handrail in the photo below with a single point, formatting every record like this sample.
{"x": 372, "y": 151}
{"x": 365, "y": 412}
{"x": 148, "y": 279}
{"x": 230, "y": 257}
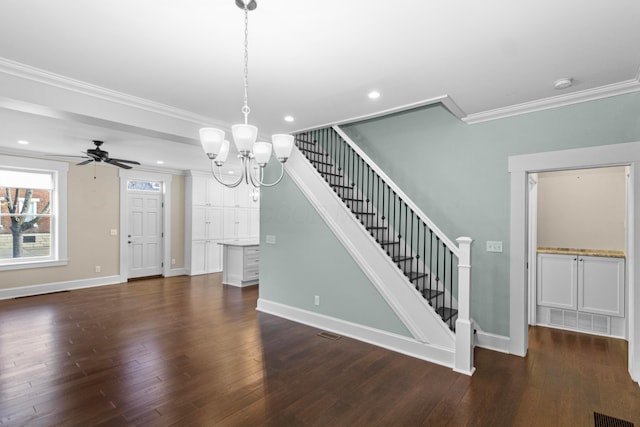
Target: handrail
{"x": 452, "y": 246}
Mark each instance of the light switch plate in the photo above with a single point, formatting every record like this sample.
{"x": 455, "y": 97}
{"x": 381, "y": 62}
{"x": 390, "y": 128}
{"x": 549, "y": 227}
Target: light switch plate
{"x": 493, "y": 246}
{"x": 114, "y": 232}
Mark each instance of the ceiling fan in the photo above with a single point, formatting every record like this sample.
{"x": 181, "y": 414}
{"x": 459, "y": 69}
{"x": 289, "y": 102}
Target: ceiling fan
{"x": 99, "y": 155}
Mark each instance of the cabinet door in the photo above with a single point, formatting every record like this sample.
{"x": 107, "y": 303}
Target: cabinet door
{"x": 198, "y": 222}
{"x": 557, "y": 281}
{"x": 242, "y": 222}
{"x": 254, "y": 223}
{"x": 214, "y": 223}
{"x": 214, "y": 257}
{"x": 601, "y": 285}
{"x": 214, "y": 192}
{"x": 199, "y": 190}
{"x": 198, "y": 256}
{"x": 229, "y": 223}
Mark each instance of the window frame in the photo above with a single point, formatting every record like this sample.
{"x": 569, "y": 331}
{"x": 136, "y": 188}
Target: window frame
{"x": 59, "y": 172}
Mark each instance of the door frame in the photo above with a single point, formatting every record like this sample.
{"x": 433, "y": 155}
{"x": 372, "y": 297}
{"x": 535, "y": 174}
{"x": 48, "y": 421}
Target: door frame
{"x": 624, "y": 154}
{"x": 125, "y": 175}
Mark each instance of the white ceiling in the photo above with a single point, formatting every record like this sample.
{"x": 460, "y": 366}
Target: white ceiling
{"x": 315, "y": 60}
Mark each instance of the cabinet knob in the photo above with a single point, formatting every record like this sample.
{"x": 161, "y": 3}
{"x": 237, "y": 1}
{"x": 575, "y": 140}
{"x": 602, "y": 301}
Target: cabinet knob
{"x": 581, "y": 259}
{"x": 575, "y": 259}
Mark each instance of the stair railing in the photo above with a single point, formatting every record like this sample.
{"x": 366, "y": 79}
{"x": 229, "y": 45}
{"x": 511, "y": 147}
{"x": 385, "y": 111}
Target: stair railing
{"x": 437, "y": 268}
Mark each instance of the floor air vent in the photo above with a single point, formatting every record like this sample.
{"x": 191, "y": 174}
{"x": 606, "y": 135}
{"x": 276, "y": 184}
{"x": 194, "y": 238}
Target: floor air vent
{"x": 580, "y": 321}
{"x": 329, "y": 336}
{"x": 602, "y": 420}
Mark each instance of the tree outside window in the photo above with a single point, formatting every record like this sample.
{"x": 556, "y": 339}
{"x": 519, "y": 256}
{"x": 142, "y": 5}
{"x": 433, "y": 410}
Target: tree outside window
{"x": 25, "y": 215}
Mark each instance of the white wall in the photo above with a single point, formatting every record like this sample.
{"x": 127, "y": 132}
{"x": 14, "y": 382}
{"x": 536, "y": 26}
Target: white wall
{"x": 583, "y": 209}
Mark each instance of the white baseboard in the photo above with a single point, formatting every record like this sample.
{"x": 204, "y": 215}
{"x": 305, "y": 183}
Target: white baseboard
{"x": 47, "y": 288}
{"x": 492, "y": 342}
{"x": 176, "y": 272}
{"x": 388, "y": 340}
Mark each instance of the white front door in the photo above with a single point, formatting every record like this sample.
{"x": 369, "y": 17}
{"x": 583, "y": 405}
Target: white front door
{"x": 144, "y": 238}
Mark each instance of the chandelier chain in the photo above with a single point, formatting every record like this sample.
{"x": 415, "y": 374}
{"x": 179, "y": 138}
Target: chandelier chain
{"x": 245, "y": 108}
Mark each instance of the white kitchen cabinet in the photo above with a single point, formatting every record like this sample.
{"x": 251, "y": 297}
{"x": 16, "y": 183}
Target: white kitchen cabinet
{"x": 241, "y": 263}
{"x": 601, "y": 285}
{"x": 557, "y": 281}
{"x": 590, "y": 284}
{"x": 206, "y": 257}
{"x": 215, "y": 213}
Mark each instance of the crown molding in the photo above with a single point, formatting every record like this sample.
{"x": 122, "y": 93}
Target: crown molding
{"x": 38, "y": 75}
{"x": 621, "y": 88}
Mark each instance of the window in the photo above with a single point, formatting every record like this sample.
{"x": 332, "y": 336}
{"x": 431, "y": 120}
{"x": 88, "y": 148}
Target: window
{"x": 32, "y": 213}
{"x": 151, "y": 186}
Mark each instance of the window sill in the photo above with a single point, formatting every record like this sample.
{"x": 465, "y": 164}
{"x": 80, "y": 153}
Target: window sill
{"x": 33, "y": 264}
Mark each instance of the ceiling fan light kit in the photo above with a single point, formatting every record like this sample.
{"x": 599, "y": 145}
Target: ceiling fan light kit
{"x": 251, "y": 153}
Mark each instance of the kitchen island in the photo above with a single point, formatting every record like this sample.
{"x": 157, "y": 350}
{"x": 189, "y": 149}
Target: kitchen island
{"x": 240, "y": 262}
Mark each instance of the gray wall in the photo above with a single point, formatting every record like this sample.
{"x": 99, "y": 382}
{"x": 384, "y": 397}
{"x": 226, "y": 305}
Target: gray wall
{"x": 457, "y": 174}
{"x": 308, "y": 260}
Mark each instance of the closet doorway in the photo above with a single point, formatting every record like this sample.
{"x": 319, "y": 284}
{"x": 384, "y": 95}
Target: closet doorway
{"x": 577, "y": 233}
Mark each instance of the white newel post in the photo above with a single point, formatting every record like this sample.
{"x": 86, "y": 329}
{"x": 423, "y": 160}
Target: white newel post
{"x": 464, "y": 325}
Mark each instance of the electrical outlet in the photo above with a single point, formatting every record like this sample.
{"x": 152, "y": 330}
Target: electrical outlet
{"x": 316, "y": 300}
{"x": 173, "y": 261}
{"x": 98, "y": 269}
{"x": 494, "y": 246}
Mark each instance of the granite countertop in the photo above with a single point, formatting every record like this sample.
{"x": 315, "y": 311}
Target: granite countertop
{"x": 585, "y": 252}
{"x": 240, "y": 242}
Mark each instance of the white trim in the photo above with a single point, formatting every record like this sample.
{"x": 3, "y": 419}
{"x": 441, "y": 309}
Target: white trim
{"x": 60, "y": 171}
{"x": 414, "y": 312}
{"x": 38, "y": 75}
{"x": 445, "y": 100}
{"x": 492, "y": 342}
{"x": 126, "y": 174}
{"x": 452, "y": 246}
{"x": 47, "y": 288}
{"x": 388, "y": 340}
{"x": 182, "y": 271}
{"x": 621, "y": 88}
{"x": 519, "y": 167}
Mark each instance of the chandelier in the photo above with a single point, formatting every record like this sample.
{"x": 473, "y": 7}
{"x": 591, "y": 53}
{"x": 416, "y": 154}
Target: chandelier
{"x": 253, "y": 155}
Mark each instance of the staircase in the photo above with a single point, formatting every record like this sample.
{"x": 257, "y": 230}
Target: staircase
{"x": 425, "y": 257}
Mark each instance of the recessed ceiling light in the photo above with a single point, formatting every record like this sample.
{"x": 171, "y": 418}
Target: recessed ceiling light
{"x": 23, "y": 142}
{"x": 160, "y": 162}
{"x": 288, "y": 119}
{"x": 563, "y": 83}
{"x": 374, "y": 94}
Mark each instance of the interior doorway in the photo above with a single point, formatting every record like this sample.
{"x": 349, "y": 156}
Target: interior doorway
{"x": 519, "y": 167}
{"x": 577, "y": 241}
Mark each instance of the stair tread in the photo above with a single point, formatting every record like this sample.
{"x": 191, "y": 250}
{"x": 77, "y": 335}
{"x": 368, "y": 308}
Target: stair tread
{"x": 306, "y": 150}
{"x": 446, "y": 312}
{"x": 364, "y": 213}
{"x": 431, "y": 293}
{"x": 415, "y": 275}
{"x": 319, "y": 162}
{"x": 401, "y": 258}
{"x": 348, "y": 187}
{"x": 351, "y": 199}
{"x": 331, "y": 174}
{"x": 389, "y": 242}
{"x": 376, "y": 227}
{"x": 304, "y": 141}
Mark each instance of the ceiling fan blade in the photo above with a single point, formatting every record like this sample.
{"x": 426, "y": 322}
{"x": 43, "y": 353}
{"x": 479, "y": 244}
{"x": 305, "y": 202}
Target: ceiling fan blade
{"x": 67, "y": 155}
{"x": 133, "y": 162}
{"x": 85, "y": 162}
{"x": 116, "y": 163}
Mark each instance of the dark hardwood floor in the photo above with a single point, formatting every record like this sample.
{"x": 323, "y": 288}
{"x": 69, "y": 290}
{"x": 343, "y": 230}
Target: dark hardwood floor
{"x": 192, "y": 352}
